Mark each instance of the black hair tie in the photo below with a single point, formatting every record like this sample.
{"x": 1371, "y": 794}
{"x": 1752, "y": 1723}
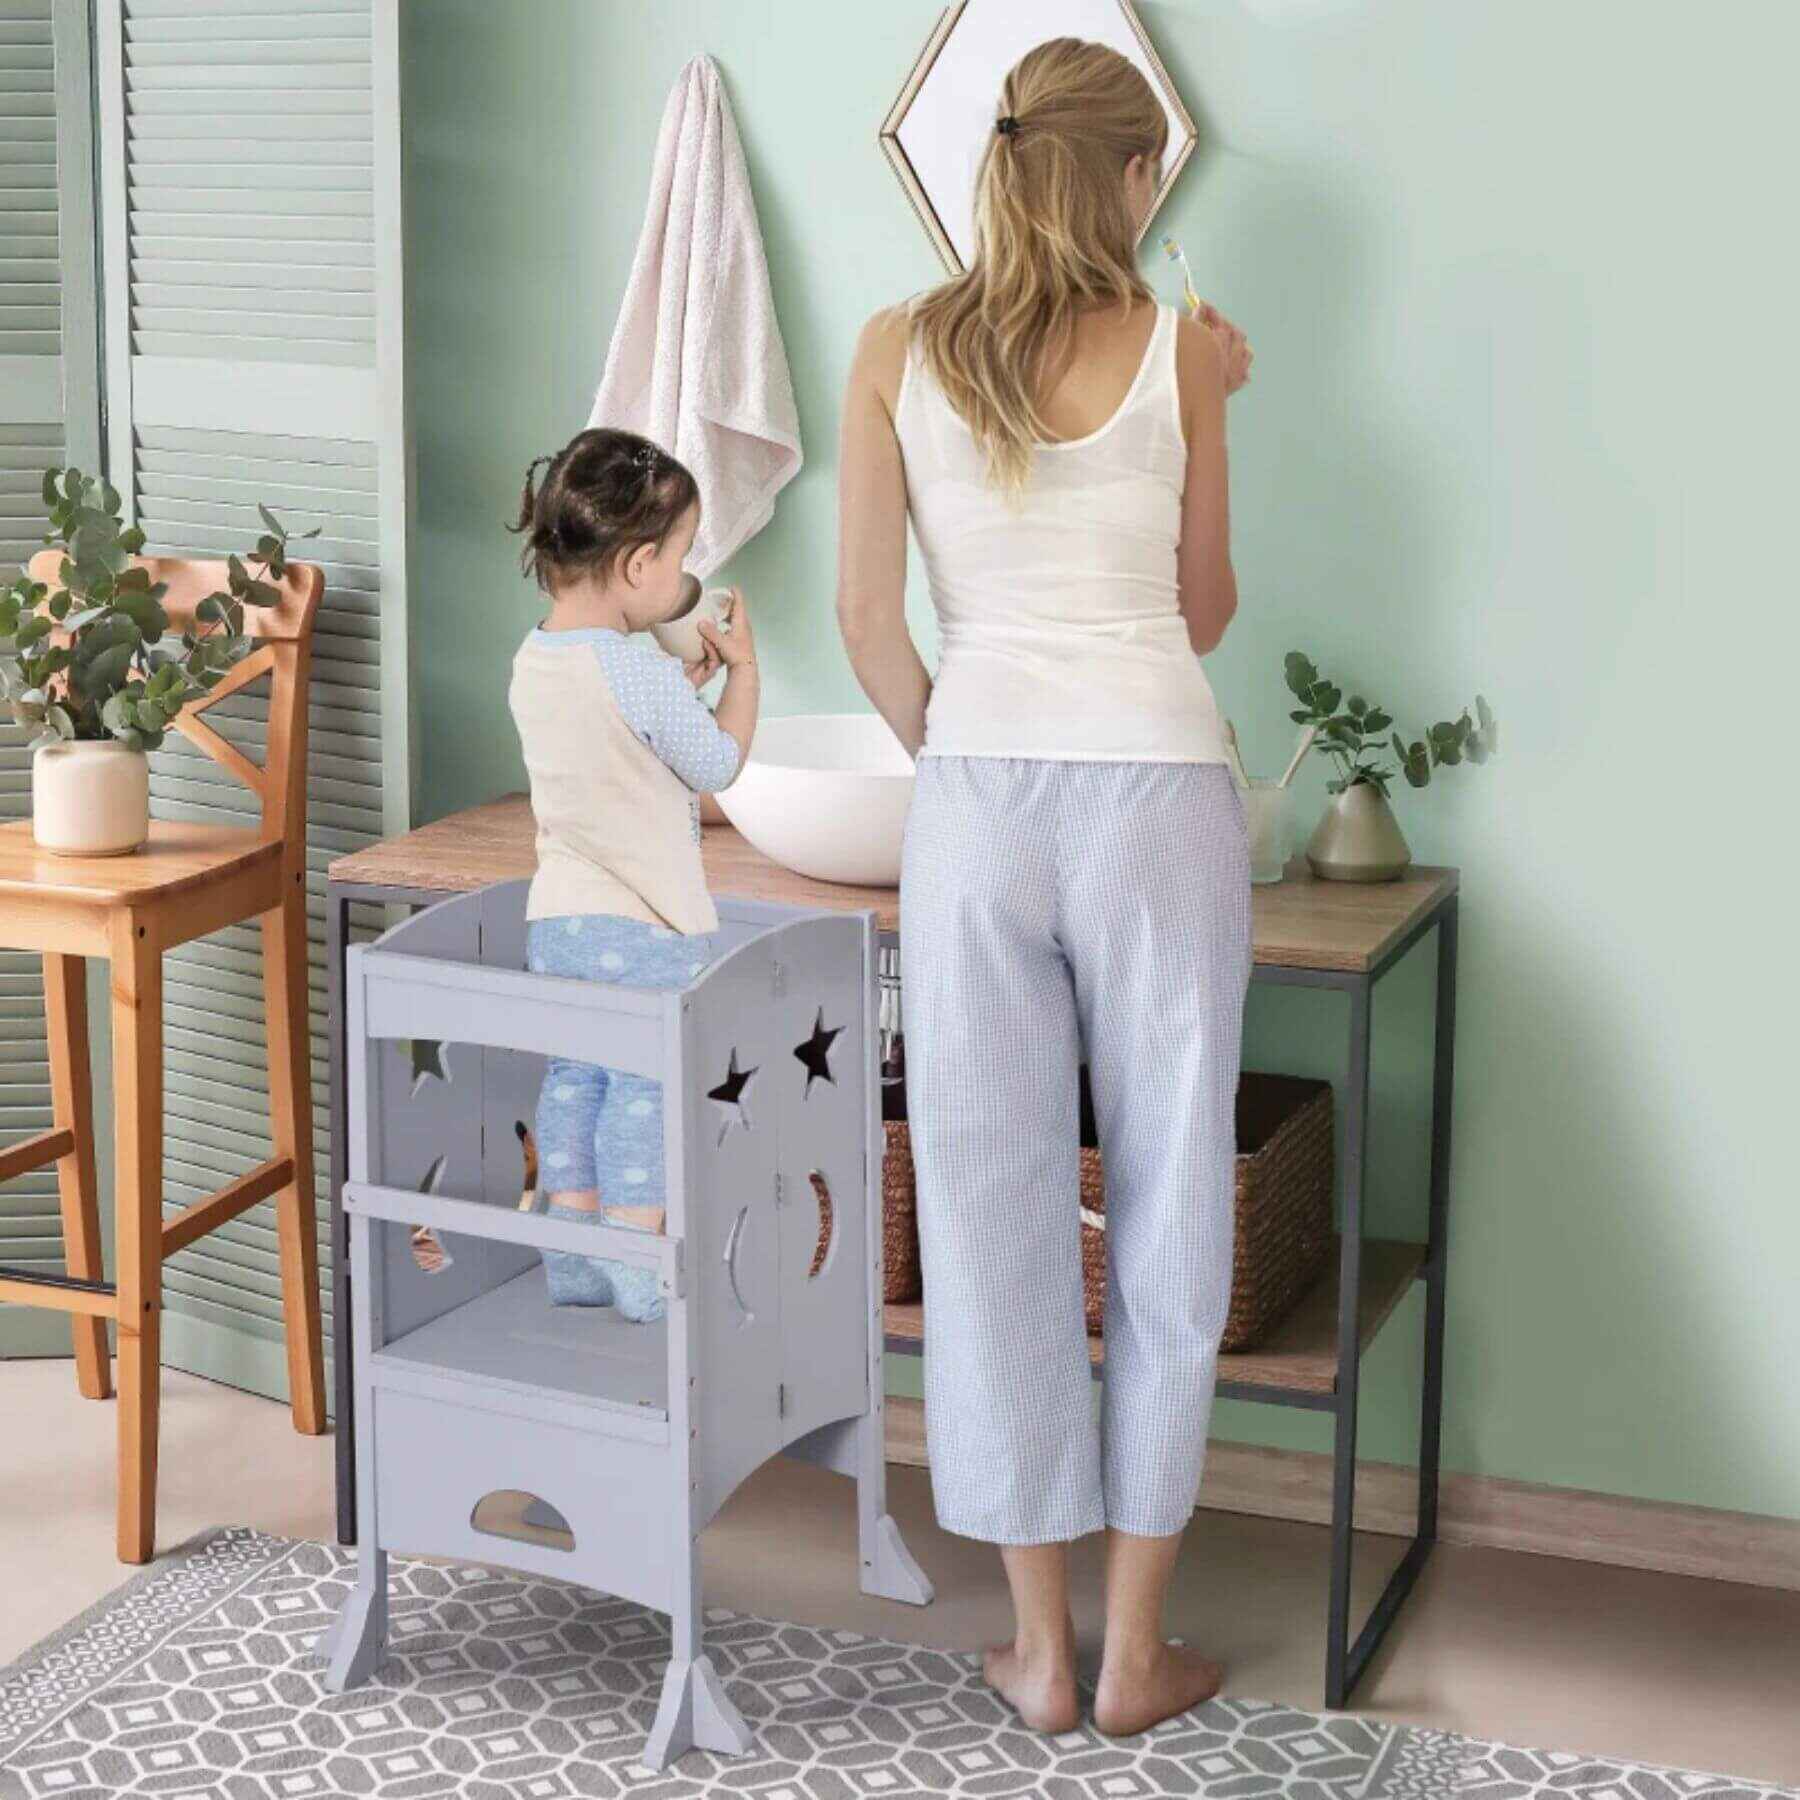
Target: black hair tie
{"x": 1007, "y": 127}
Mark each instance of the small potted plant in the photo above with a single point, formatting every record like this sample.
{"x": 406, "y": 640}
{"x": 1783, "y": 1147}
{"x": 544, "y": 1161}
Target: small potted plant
{"x": 1359, "y": 838}
{"x": 88, "y": 664}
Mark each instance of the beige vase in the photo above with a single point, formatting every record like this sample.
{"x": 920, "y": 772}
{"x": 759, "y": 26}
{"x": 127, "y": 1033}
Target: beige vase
{"x": 1358, "y": 839}
{"x": 89, "y": 799}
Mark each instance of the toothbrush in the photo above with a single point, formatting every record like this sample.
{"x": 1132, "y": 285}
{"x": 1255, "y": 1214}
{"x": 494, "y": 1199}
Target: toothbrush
{"x": 1174, "y": 252}
{"x": 1237, "y": 761}
{"x": 1307, "y": 734}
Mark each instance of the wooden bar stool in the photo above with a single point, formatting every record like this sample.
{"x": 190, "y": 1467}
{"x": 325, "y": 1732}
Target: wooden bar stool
{"x": 188, "y": 880}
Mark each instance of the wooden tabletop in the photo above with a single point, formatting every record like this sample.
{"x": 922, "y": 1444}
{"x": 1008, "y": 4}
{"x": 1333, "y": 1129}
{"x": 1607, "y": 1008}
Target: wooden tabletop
{"x": 453, "y": 855}
{"x": 1299, "y": 923}
{"x": 1302, "y": 922}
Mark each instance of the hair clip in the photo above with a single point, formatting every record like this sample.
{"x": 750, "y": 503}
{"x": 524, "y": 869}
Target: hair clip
{"x": 1008, "y": 126}
{"x": 646, "y": 456}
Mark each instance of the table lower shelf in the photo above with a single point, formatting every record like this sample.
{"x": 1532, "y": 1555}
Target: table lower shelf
{"x": 1298, "y": 1358}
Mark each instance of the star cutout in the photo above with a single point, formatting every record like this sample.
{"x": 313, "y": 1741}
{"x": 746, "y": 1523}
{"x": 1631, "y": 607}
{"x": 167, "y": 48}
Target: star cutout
{"x": 728, "y": 1096}
{"x": 427, "y": 1062}
{"x": 815, "y": 1053}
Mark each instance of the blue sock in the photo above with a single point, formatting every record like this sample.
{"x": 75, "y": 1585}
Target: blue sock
{"x": 577, "y": 1280}
{"x": 600, "y": 1281}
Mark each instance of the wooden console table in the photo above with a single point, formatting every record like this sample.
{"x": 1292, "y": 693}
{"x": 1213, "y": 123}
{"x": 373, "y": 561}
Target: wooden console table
{"x": 1306, "y": 933}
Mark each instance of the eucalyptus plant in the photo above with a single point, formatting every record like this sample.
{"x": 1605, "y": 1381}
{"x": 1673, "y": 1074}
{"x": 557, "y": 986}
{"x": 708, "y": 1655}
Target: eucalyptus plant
{"x": 89, "y": 657}
{"x": 1350, "y": 733}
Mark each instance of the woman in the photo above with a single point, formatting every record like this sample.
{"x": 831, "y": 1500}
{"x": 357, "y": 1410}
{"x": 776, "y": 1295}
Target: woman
{"x": 1076, "y": 882}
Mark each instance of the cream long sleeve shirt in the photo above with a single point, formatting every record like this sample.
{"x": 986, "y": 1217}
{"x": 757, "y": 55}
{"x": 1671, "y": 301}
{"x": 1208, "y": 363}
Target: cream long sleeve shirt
{"x": 617, "y": 745}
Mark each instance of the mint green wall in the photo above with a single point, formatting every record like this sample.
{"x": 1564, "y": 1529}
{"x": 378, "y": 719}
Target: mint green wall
{"x": 1515, "y": 277}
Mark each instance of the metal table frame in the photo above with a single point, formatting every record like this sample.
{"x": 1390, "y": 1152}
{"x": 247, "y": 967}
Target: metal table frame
{"x": 1345, "y": 1658}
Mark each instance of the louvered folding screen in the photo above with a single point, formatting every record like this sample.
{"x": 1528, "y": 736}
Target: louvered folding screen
{"x": 47, "y": 346}
{"x": 252, "y": 356}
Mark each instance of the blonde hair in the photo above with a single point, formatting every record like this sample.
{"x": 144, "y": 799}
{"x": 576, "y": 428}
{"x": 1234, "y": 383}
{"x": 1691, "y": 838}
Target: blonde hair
{"x": 1054, "y": 237}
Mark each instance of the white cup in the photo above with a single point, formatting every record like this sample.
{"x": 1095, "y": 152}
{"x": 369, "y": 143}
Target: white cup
{"x": 679, "y": 635}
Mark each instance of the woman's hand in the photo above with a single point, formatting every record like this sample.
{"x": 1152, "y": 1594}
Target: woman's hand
{"x": 1238, "y": 354}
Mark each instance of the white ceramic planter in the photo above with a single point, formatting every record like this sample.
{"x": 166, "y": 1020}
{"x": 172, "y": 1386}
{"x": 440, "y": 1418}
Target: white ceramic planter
{"x": 825, "y": 795}
{"x": 89, "y": 799}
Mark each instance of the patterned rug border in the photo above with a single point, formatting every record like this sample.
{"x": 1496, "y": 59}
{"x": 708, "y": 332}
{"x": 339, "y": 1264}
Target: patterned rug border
{"x": 1484, "y": 1777}
{"x": 115, "y": 1597}
{"x": 1417, "y": 1763}
{"x": 53, "y": 1671}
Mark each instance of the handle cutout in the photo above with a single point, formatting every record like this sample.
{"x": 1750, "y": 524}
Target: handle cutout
{"x": 521, "y": 1517}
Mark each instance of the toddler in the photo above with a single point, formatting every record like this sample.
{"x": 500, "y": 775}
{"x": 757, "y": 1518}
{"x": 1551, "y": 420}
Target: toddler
{"x": 618, "y": 746}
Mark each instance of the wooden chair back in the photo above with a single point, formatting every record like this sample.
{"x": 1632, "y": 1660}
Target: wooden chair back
{"x": 283, "y": 635}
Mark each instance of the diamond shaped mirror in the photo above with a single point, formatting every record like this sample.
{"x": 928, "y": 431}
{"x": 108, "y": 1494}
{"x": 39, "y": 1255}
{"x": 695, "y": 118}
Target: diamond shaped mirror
{"x": 941, "y": 124}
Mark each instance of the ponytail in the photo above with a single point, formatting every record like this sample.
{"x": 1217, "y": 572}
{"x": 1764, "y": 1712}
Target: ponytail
{"x": 1054, "y": 236}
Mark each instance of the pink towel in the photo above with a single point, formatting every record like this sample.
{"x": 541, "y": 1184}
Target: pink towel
{"x": 697, "y": 362}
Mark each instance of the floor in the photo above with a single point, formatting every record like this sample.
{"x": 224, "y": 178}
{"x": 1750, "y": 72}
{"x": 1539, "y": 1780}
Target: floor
{"x": 1556, "y": 1655}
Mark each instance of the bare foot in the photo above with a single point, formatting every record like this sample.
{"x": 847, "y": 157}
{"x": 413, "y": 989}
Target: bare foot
{"x": 1130, "y": 1699}
{"x": 1041, "y": 1689}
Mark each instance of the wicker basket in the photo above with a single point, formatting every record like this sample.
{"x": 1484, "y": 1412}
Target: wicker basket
{"x": 1284, "y": 1216}
{"x": 902, "y": 1282}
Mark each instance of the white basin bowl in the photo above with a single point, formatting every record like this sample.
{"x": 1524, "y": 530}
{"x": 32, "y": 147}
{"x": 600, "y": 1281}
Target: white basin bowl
{"x": 825, "y": 794}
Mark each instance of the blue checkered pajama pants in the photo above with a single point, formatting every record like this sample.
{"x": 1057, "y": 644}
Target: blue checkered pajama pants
{"x": 1056, "y": 911}
{"x": 602, "y": 1128}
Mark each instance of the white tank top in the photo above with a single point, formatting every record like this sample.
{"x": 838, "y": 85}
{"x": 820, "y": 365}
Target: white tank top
{"x": 1059, "y": 625}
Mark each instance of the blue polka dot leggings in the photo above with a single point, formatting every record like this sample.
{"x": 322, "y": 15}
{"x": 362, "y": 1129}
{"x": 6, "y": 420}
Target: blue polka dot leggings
{"x": 601, "y": 1128}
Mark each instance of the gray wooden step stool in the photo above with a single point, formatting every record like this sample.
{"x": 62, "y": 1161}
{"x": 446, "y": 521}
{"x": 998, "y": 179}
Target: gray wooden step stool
{"x": 469, "y": 1383}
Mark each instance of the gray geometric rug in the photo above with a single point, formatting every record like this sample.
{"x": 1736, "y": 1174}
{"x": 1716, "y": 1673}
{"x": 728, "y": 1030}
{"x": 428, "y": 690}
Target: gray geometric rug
{"x": 197, "y": 1681}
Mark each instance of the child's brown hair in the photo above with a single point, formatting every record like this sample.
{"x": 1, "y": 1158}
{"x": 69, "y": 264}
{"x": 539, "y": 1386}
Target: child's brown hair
{"x": 603, "y": 495}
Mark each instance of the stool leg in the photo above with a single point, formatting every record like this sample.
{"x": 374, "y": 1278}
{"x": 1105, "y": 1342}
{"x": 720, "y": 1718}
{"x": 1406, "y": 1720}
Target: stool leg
{"x": 694, "y": 1712}
{"x": 137, "y": 1110}
{"x": 290, "y": 1127}
{"x": 356, "y": 1640}
{"x": 72, "y": 1099}
{"x": 888, "y": 1568}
